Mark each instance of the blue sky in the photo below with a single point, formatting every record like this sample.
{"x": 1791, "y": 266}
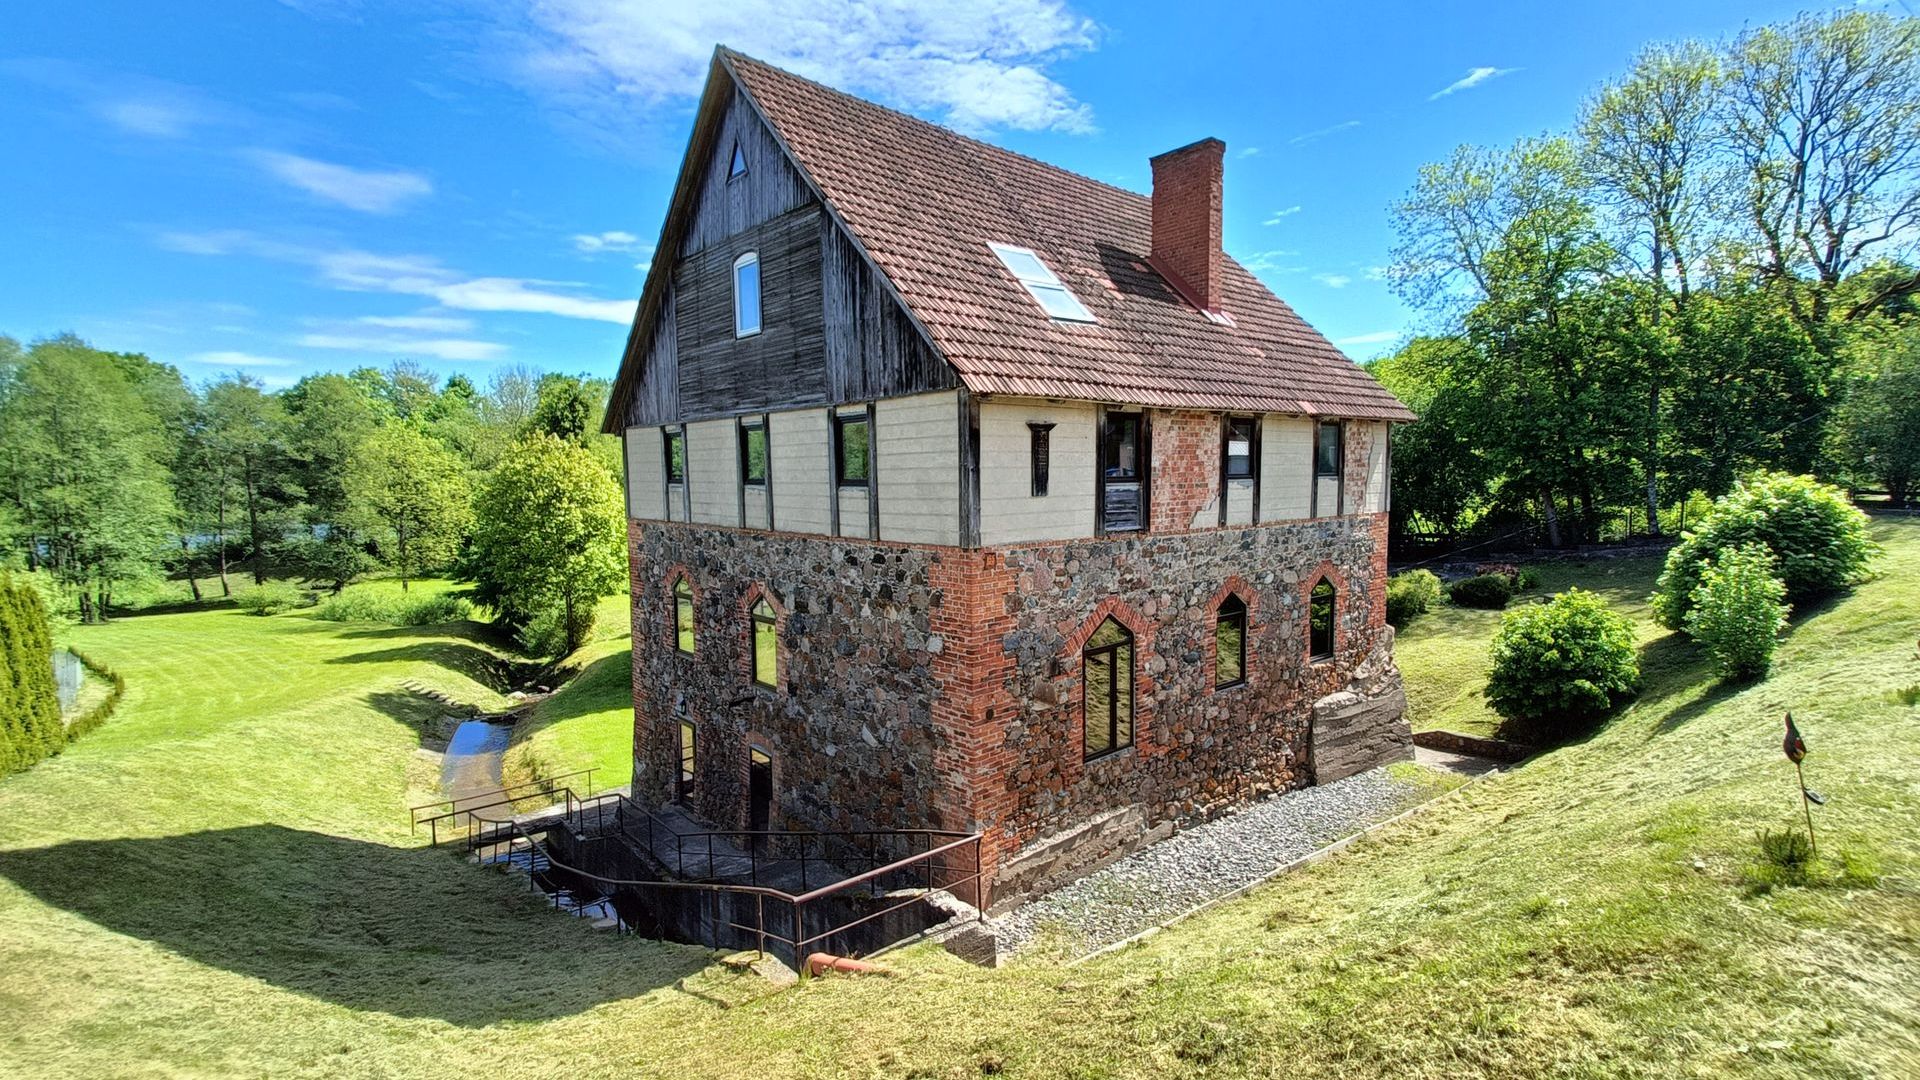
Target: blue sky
{"x": 280, "y": 188}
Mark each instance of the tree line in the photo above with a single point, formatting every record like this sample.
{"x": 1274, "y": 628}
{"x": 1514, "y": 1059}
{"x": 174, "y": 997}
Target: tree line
{"x": 1710, "y": 272}
{"x": 116, "y": 471}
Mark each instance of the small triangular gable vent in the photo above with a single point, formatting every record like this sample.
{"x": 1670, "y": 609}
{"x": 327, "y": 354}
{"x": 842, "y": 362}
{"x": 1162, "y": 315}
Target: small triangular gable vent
{"x": 738, "y": 167}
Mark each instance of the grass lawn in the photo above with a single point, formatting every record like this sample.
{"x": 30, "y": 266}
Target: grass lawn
{"x": 1443, "y": 654}
{"x": 588, "y": 722}
{"x": 220, "y": 882}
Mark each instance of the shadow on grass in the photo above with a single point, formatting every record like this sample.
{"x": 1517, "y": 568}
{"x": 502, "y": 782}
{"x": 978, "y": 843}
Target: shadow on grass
{"x": 407, "y": 932}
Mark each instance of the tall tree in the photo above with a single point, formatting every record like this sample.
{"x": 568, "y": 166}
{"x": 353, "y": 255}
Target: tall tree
{"x": 549, "y": 532}
{"x": 248, "y": 431}
{"x": 410, "y": 493}
{"x": 1876, "y": 429}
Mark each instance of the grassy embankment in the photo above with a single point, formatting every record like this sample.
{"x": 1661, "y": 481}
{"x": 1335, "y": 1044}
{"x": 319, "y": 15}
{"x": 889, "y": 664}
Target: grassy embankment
{"x": 221, "y": 882}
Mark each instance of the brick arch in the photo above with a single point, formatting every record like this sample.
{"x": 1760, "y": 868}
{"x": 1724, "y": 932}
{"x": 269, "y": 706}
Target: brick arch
{"x": 1068, "y": 659}
{"x": 783, "y": 657}
{"x": 1342, "y": 595}
{"x": 1236, "y": 587}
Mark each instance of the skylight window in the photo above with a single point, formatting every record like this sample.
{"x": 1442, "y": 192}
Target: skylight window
{"x": 1046, "y": 289}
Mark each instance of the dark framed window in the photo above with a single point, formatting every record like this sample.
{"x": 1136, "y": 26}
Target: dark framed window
{"x": 676, "y": 455}
{"x": 1120, "y": 446}
{"x": 1041, "y": 436}
{"x": 683, "y": 615}
{"x": 766, "y": 644}
{"x": 1239, "y": 454}
{"x": 851, "y": 449}
{"x": 1230, "y": 643}
{"x": 1106, "y": 672}
{"x": 686, "y": 759}
{"x": 737, "y": 166}
{"x": 1320, "y": 613}
{"x": 1123, "y": 461}
{"x": 1327, "y": 449}
{"x": 753, "y": 454}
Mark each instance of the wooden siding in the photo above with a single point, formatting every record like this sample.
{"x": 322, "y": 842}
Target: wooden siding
{"x": 656, "y": 393}
{"x": 1009, "y": 511}
{"x": 919, "y": 477}
{"x": 724, "y": 375}
{"x": 646, "y": 475}
{"x": 801, "y": 461}
{"x": 873, "y": 349}
{"x": 713, "y": 472}
{"x": 725, "y": 207}
{"x": 1286, "y": 467}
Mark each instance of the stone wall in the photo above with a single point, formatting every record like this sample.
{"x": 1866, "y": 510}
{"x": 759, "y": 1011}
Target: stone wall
{"x": 848, "y": 724}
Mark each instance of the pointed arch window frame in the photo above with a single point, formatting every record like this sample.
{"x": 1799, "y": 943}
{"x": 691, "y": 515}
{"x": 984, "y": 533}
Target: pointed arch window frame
{"x": 1114, "y": 652}
{"x": 1323, "y": 633}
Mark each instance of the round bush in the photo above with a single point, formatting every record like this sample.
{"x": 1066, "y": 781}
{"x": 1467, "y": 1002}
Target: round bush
{"x": 1738, "y": 611}
{"x": 1410, "y": 594}
{"x": 1818, "y": 541}
{"x": 1488, "y": 591}
{"x": 1562, "y": 663}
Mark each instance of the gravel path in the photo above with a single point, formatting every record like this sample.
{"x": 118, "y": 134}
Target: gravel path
{"x": 1198, "y": 864}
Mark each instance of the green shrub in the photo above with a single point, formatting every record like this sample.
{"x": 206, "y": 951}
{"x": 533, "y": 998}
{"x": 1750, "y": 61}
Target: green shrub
{"x": 1738, "y": 611}
{"x": 1562, "y": 663}
{"x": 1818, "y": 540}
{"x": 270, "y": 599}
{"x": 30, "y": 726}
{"x": 545, "y": 634}
{"x": 366, "y": 605}
{"x": 97, "y": 715}
{"x": 1526, "y": 579}
{"x": 1488, "y": 591}
{"x": 1410, "y": 594}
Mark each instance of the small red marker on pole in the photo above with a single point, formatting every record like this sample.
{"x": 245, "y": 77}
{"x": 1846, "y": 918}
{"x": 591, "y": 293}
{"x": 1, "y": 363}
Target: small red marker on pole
{"x": 1796, "y": 750}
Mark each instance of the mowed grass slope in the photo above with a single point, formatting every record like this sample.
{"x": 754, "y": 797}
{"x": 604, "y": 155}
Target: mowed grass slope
{"x": 1589, "y": 914}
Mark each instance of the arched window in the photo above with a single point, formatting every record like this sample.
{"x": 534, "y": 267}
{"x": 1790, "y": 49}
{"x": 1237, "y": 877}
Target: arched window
{"x": 746, "y": 295}
{"x": 1106, "y": 666}
{"x": 683, "y": 615}
{"x": 1320, "y": 610}
{"x": 766, "y": 649}
{"x": 1230, "y": 643}
{"x": 686, "y": 759}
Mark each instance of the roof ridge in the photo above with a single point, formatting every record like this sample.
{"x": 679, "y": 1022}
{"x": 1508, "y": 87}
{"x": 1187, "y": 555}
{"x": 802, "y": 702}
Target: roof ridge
{"x": 735, "y": 54}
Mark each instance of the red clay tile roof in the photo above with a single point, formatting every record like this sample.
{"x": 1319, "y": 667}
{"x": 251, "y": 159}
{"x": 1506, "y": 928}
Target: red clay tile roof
{"x": 925, "y": 203}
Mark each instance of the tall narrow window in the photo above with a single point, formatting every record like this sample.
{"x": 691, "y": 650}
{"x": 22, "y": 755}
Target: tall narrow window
{"x": 1230, "y": 643}
{"x": 850, "y": 449}
{"x": 1239, "y": 448}
{"x": 766, "y": 648}
{"x": 1106, "y": 667}
{"x": 746, "y": 295}
{"x": 683, "y": 615}
{"x": 1121, "y": 476}
{"x": 753, "y": 454}
{"x": 737, "y": 167}
{"x": 686, "y": 759}
{"x": 1327, "y": 450}
{"x": 1320, "y": 612}
{"x": 1042, "y": 437}
{"x": 676, "y": 455}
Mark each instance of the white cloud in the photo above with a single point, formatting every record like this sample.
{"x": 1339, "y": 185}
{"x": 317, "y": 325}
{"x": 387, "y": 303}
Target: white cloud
{"x": 1378, "y": 337}
{"x": 1471, "y": 79}
{"x": 373, "y": 191}
{"x": 1333, "y": 281}
{"x": 1271, "y": 262}
{"x": 1374, "y": 273}
{"x": 613, "y": 240}
{"x": 1312, "y": 136}
{"x": 1278, "y": 215}
{"x": 153, "y": 117}
{"x": 976, "y": 65}
{"x": 439, "y": 324}
{"x": 238, "y": 360}
{"x": 353, "y": 270}
{"x": 1247, "y": 152}
{"x": 438, "y": 348}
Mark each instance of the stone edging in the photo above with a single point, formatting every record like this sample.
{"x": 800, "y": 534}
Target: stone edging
{"x": 1477, "y": 745}
{"x": 1305, "y": 860}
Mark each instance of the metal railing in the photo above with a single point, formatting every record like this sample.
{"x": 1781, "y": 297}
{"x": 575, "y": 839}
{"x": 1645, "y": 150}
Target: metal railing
{"x": 497, "y": 797}
{"x": 933, "y": 868}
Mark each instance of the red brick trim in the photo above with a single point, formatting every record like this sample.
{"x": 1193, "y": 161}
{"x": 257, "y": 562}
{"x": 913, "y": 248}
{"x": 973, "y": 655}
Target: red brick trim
{"x": 1341, "y": 590}
{"x": 781, "y": 658}
{"x": 1142, "y": 629}
{"x": 1235, "y": 586}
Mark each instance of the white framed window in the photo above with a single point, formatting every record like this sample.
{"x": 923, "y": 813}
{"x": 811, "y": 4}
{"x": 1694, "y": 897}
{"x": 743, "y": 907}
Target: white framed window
{"x": 1041, "y": 283}
{"x": 746, "y": 295}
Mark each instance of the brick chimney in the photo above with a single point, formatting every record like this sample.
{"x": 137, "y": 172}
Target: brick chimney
{"x": 1186, "y": 219}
